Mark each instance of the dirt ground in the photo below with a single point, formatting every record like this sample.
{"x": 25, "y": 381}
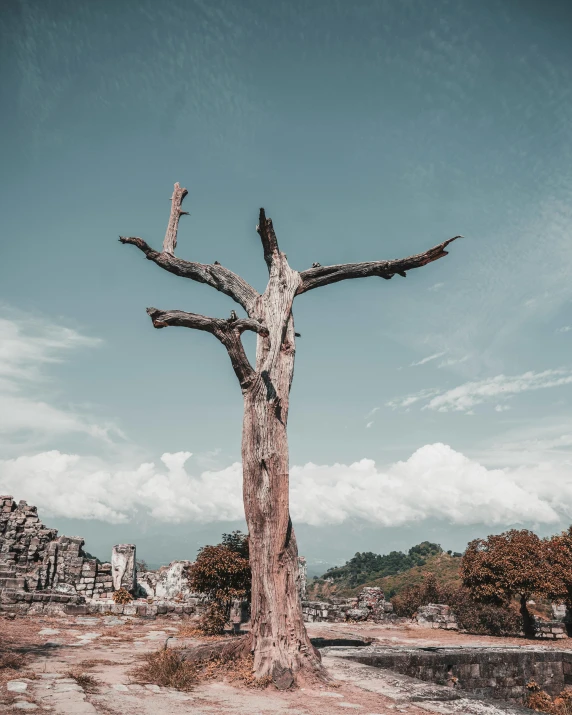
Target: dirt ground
{"x": 109, "y": 648}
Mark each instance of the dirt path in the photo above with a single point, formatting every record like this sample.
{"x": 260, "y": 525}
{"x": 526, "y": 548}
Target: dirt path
{"x": 109, "y": 648}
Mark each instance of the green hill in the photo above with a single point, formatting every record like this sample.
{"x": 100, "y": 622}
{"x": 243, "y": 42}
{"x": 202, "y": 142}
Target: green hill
{"x": 392, "y": 572}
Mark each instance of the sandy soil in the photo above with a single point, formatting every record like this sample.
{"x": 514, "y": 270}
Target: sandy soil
{"x": 110, "y": 647}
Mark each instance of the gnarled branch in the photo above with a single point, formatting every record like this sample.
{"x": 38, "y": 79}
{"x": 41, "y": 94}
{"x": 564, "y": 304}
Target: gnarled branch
{"x": 269, "y": 241}
{"x": 227, "y": 331}
{"x": 323, "y": 275}
{"x": 215, "y": 275}
{"x": 170, "y": 240}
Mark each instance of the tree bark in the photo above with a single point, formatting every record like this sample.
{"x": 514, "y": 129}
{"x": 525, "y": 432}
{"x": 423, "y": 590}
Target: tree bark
{"x": 279, "y": 640}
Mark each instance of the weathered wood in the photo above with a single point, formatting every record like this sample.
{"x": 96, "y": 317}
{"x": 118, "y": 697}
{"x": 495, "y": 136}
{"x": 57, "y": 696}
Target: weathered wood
{"x": 324, "y": 275}
{"x": 170, "y": 240}
{"x": 216, "y": 276}
{"x": 278, "y": 636}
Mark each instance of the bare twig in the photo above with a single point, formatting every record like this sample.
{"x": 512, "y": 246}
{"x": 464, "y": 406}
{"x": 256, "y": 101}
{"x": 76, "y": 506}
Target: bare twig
{"x": 170, "y": 241}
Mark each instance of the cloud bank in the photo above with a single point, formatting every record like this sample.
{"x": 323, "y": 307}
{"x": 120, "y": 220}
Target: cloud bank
{"x": 27, "y": 346}
{"x": 435, "y": 482}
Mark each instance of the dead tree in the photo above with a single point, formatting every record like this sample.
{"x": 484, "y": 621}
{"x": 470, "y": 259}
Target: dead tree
{"x": 279, "y": 640}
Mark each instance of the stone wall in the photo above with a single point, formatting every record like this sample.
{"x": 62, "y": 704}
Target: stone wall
{"x": 34, "y": 558}
{"x": 500, "y": 673}
{"x": 370, "y": 605}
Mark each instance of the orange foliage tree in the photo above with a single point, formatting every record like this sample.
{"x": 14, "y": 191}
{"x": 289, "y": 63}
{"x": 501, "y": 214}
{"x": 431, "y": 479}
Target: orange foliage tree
{"x": 514, "y": 564}
{"x": 223, "y": 573}
{"x": 559, "y": 550}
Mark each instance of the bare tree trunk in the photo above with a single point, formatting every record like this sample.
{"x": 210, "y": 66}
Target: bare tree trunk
{"x": 279, "y": 639}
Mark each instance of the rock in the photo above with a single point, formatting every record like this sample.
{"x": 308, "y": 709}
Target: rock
{"x": 17, "y": 686}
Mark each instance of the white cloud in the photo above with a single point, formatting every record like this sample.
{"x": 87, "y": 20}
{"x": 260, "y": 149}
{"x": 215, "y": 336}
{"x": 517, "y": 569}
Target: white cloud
{"x": 428, "y": 359}
{"x": 452, "y": 361}
{"x": 28, "y": 346}
{"x": 502, "y": 408}
{"x": 371, "y": 413}
{"x": 564, "y": 329}
{"x": 436, "y": 286}
{"x": 468, "y": 395}
{"x": 368, "y": 425}
{"x": 435, "y": 482}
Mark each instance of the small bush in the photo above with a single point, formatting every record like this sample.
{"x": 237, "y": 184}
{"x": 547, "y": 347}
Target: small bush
{"x": 213, "y": 621}
{"x": 167, "y": 669}
{"x": 14, "y": 661}
{"x": 122, "y": 596}
{"x": 540, "y": 701}
{"x": 409, "y": 601}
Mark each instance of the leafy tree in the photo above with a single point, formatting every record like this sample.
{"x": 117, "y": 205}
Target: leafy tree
{"x": 559, "y": 554}
{"x": 506, "y": 566}
{"x": 223, "y": 573}
{"x": 367, "y": 566}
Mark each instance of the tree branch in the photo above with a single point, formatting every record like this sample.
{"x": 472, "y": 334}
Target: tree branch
{"x": 269, "y": 241}
{"x": 170, "y": 241}
{"x": 323, "y": 275}
{"x": 216, "y": 276}
{"x": 227, "y": 331}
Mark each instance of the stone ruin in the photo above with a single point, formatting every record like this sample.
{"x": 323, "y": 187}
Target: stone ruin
{"x": 41, "y": 572}
{"x": 370, "y": 605}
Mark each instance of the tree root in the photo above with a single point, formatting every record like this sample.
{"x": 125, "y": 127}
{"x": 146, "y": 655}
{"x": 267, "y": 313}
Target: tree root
{"x": 235, "y": 649}
{"x": 227, "y": 649}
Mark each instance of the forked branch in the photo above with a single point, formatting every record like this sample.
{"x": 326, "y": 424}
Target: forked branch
{"x": 323, "y": 275}
{"x": 215, "y": 275}
{"x": 227, "y": 331}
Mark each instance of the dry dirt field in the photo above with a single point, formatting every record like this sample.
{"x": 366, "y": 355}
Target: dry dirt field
{"x": 39, "y": 653}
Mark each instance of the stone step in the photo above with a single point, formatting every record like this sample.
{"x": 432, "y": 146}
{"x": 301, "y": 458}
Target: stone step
{"x": 18, "y": 582}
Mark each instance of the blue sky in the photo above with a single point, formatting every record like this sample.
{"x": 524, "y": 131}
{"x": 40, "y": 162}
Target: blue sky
{"x": 432, "y": 407}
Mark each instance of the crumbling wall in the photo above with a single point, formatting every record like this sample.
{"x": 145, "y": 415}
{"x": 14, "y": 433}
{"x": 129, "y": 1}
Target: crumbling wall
{"x": 34, "y": 558}
{"x": 370, "y": 605}
{"x": 437, "y": 615}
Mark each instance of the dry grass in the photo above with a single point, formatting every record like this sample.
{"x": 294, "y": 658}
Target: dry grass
{"x": 193, "y": 631}
{"x": 13, "y": 661}
{"x": 165, "y": 668}
{"x": 84, "y": 680}
{"x": 541, "y": 702}
{"x": 121, "y": 632}
{"x": 238, "y": 671}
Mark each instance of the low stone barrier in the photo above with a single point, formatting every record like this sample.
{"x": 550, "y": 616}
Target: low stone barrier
{"x": 437, "y": 615}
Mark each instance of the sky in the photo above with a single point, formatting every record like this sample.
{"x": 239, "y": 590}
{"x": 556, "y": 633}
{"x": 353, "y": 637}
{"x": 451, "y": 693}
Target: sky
{"x": 436, "y": 407}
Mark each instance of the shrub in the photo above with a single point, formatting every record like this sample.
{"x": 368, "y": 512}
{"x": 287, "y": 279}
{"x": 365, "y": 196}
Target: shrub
{"x": 484, "y": 618}
{"x": 223, "y": 573}
{"x": 122, "y": 596}
{"x": 213, "y": 621}
{"x": 409, "y": 601}
{"x": 166, "y": 668}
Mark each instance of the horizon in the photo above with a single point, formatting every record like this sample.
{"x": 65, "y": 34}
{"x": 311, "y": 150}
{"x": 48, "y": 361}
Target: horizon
{"x": 433, "y": 408}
